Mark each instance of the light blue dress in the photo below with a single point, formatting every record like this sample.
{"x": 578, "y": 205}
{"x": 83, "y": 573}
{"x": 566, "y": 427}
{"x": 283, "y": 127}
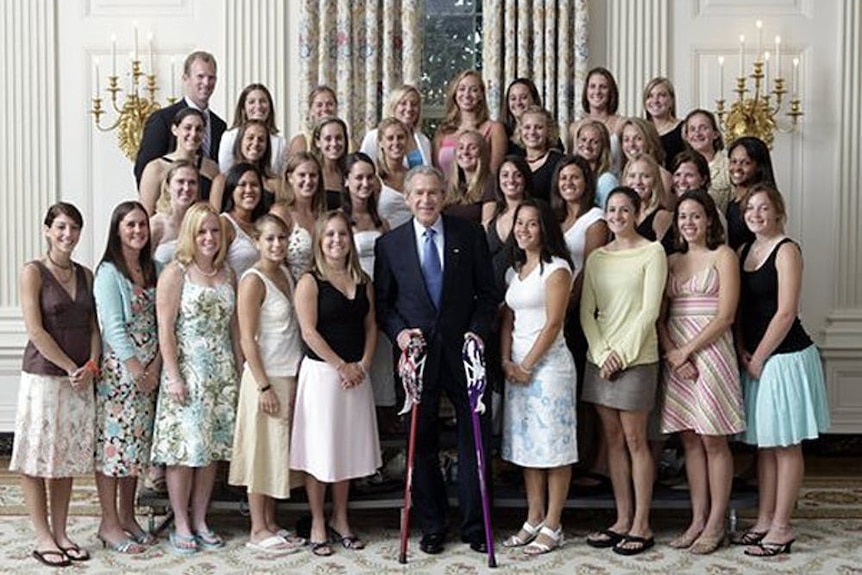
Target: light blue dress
{"x": 201, "y": 431}
{"x": 539, "y": 418}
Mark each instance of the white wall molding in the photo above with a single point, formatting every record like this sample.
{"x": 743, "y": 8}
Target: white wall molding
{"x": 774, "y": 8}
{"x": 637, "y": 48}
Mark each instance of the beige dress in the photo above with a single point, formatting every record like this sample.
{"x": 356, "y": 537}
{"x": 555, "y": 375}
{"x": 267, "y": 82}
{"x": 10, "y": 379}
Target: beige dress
{"x": 261, "y": 441}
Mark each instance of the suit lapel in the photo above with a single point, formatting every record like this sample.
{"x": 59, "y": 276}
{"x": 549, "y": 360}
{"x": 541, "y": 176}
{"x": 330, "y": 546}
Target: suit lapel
{"x": 451, "y": 255}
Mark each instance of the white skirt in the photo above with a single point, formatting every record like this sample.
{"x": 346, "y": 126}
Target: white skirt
{"x": 334, "y": 434}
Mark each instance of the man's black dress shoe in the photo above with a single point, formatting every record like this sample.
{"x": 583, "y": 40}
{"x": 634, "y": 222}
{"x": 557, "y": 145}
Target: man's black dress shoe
{"x": 477, "y": 543}
{"x": 432, "y": 543}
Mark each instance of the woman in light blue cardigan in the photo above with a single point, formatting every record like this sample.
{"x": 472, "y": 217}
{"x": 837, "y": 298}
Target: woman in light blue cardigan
{"x": 125, "y": 293}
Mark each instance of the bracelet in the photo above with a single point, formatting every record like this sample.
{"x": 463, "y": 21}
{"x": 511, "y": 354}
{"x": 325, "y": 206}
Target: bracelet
{"x": 524, "y": 369}
{"x": 266, "y": 387}
{"x": 92, "y": 368}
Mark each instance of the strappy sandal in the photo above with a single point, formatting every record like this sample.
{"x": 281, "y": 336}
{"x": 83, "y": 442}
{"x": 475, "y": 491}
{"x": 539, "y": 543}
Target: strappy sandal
{"x": 766, "y": 549}
{"x": 209, "y": 539}
{"x": 124, "y": 546}
{"x": 555, "y": 538}
{"x": 530, "y": 531}
{"x": 348, "y": 541}
{"x": 749, "y": 537}
{"x": 320, "y": 548}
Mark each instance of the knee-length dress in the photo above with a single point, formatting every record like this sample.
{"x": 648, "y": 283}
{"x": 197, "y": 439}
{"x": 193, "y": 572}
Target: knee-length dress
{"x": 54, "y": 423}
{"x": 200, "y": 431}
{"x": 261, "y": 441}
{"x": 712, "y": 403}
{"x": 334, "y": 433}
{"x": 539, "y": 418}
{"x": 124, "y": 414}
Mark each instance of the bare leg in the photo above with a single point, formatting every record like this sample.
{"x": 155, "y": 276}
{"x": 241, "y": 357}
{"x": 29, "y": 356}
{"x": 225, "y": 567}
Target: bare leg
{"x": 203, "y": 481}
{"x": 559, "y": 479}
{"x": 60, "y": 493}
{"x": 258, "y": 504}
{"x": 767, "y": 479}
{"x": 179, "y": 482}
{"x": 634, "y": 424}
{"x": 791, "y": 469}
{"x": 316, "y": 491}
{"x": 535, "y": 485}
{"x": 697, "y": 476}
{"x": 720, "y": 465}
{"x": 619, "y": 467}
{"x": 110, "y": 528}
{"x": 36, "y": 499}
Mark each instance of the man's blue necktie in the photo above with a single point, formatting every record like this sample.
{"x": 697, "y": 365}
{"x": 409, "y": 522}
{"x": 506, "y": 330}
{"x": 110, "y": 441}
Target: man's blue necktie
{"x": 431, "y": 269}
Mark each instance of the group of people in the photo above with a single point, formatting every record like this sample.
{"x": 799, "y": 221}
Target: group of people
{"x": 248, "y": 305}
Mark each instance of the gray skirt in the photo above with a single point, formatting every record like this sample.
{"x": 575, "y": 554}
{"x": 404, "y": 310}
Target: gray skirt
{"x": 633, "y": 389}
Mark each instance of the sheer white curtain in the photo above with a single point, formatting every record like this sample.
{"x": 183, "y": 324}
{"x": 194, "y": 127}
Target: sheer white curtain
{"x": 360, "y": 49}
{"x": 544, "y": 40}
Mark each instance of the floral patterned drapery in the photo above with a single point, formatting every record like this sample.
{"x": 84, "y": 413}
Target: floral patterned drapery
{"x": 360, "y": 49}
{"x": 545, "y": 40}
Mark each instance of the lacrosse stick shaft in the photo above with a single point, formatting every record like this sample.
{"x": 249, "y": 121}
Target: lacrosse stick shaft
{"x": 408, "y": 485}
{"x": 483, "y": 489}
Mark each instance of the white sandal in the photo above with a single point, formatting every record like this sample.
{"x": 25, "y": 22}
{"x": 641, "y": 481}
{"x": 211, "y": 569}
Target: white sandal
{"x": 532, "y": 532}
{"x": 537, "y": 548}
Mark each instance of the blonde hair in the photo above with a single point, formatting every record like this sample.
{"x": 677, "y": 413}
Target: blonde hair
{"x": 659, "y": 196}
{"x": 650, "y": 136}
{"x": 452, "y": 120}
{"x": 163, "y": 204}
{"x": 192, "y": 222}
{"x": 319, "y": 267}
{"x": 318, "y": 203}
{"x": 399, "y": 94}
{"x": 383, "y": 167}
{"x": 659, "y": 81}
{"x": 471, "y": 191}
{"x": 604, "y": 162}
{"x": 552, "y": 131}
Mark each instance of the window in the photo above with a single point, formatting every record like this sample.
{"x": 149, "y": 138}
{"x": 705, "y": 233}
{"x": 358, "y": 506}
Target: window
{"x": 451, "y": 43}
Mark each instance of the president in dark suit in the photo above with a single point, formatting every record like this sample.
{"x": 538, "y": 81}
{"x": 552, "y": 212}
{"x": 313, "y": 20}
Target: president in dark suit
{"x": 199, "y": 80}
{"x": 433, "y": 279}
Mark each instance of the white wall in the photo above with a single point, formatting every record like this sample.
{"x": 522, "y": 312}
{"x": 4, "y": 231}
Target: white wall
{"x": 256, "y": 40}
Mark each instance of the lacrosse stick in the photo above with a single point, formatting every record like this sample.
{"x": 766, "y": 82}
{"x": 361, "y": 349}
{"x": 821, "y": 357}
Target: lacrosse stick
{"x": 473, "y": 356}
{"x": 410, "y": 367}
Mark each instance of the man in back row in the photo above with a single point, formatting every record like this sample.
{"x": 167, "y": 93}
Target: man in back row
{"x": 199, "y": 79}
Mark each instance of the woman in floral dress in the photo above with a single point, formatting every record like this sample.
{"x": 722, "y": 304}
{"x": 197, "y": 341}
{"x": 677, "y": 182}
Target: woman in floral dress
{"x": 125, "y": 292}
{"x": 199, "y": 341}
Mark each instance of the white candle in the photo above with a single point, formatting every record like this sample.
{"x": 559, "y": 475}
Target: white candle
{"x": 721, "y": 77}
{"x": 766, "y": 72}
{"x": 173, "y": 76}
{"x": 96, "y": 91}
{"x": 759, "y": 25}
{"x": 113, "y": 54}
{"x": 778, "y": 56}
{"x": 135, "y": 53}
{"x": 150, "y": 41}
{"x": 742, "y": 55}
{"x": 795, "y": 78}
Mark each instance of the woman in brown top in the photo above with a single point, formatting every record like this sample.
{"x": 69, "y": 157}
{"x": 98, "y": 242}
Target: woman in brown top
{"x": 54, "y": 426}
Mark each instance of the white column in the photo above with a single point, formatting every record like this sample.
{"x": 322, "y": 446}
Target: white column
{"x": 256, "y": 40}
{"x": 842, "y": 342}
{"x": 637, "y": 47}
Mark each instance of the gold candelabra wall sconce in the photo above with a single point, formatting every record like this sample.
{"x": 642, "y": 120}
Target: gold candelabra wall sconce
{"x": 132, "y": 105}
{"x": 757, "y": 112}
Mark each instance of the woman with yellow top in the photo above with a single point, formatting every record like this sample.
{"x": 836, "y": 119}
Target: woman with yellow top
{"x": 620, "y": 303}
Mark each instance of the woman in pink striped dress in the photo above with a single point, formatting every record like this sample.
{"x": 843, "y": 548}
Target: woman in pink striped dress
{"x": 703, "y": 398}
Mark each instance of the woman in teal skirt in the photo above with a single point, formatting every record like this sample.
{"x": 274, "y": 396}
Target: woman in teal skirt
{"x": 785, "y": 395}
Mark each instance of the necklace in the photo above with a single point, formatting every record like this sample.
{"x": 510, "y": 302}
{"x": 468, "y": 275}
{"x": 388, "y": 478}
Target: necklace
{"x": 65, "y": 268}
{"x": 203, "y": 273}
{"x": 537, "y": 158}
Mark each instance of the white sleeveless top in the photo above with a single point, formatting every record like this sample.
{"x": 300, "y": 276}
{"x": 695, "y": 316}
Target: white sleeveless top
{"x": 164, "y": 252}
{"x": 392, "y": 207}
{"x": 278, "y": 337}
{"x": 364, "y": 242}
{"x": 576, "y": 237}
{"x": 299, "y": 251}
{"x": 241, "y": 253}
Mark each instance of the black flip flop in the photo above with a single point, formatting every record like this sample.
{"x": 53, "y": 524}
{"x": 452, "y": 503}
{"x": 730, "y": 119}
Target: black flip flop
{"x": 75, "y": 553}
{"x": 641, "y": 545}
{"x": 611, "y": 538}
{"x": 42, "y": 557}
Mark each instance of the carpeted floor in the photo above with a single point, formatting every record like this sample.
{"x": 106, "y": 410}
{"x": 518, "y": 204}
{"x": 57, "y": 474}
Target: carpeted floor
{"x": 828, "y": 525}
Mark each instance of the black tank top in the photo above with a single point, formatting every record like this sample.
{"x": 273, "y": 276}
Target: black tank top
{"x": 759, "y": 304}
{"x": 341, "y": 321}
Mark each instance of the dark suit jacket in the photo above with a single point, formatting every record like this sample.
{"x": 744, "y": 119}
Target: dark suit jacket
{"x": 468, "y": 301}
{"x": 158, "y": 140}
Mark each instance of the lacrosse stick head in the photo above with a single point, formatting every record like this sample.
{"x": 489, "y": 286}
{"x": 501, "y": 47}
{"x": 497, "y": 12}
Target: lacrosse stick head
{"x": 473, "y": 355}
{"x": 411, "y": 366}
